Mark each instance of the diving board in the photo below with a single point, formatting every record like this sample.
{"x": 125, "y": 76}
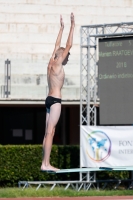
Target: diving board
{"x": 95, "y": 169}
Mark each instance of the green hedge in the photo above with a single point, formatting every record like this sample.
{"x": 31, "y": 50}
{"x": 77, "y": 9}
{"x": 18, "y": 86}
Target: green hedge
{"x": 22, "y": 162}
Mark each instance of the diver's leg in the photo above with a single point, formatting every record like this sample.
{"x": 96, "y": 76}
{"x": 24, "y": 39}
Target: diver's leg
{"x": 53, "y": 118}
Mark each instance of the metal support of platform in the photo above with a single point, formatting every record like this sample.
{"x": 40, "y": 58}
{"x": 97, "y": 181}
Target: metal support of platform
{"x": 78, "y": 185}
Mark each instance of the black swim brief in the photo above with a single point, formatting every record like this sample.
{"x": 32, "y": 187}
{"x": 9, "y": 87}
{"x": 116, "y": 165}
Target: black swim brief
{"x": 50, "y": 101}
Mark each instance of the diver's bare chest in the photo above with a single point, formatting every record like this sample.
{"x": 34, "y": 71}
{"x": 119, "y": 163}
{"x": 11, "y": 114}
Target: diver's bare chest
{"x": 57, "y": 72}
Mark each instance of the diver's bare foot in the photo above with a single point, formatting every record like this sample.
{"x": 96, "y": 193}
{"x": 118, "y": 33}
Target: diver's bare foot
{"x": 49, "y": 168}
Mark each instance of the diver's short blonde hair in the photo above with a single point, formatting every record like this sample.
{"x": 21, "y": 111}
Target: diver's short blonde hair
{"x": 59, "y": 52}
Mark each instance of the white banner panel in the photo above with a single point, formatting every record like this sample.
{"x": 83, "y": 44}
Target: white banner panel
{"x": 106, "y": 146}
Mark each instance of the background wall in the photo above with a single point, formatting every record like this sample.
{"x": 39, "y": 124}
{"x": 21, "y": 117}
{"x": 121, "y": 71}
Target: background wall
{"x": 28, "y": 30}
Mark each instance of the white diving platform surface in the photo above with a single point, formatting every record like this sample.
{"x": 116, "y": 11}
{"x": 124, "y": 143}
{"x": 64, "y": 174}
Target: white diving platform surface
{"x": 95, "y": 169}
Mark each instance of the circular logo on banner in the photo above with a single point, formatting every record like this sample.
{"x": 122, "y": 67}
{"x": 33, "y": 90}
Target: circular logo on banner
{"x": 99, "y": 147}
